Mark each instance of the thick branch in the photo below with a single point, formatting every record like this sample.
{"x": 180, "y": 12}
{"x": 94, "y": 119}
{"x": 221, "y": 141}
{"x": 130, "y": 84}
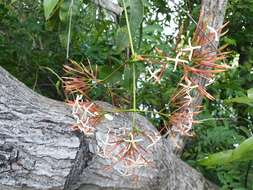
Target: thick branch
{"x": 38, "y": 151}
{"x": 36, "y": 145}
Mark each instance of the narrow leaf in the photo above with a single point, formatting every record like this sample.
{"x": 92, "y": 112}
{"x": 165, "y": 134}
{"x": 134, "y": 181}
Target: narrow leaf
{"x": 136, "y": 15}
{"x": 121, "y": 39}
{"x": 244, "y": 152}
{"x": 49, "y": 6}
{"x": 241, "y": 100}
{"x": 219, "y": 158}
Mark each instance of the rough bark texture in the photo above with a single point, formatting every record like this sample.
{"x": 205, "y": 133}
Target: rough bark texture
{"x": 212, "y": 13}
{"x": 36, "y": 146}
{"x": 38, "y": 150}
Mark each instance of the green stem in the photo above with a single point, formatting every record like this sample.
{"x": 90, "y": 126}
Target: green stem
{"x": 134, "y": 96}
{"x": 128, "y": 29}
{"x": 52, "y": 71}
{"x": 134, "y": 87}
{"x": 69, "y": 28}
{"x": 133, "y": 62}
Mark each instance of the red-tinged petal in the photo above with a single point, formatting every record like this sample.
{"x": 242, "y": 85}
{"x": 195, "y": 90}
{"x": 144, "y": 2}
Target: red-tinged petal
{"x": 205, "y": 93}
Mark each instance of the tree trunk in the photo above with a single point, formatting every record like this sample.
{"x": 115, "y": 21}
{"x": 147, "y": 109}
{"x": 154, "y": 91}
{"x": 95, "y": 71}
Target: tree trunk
{"x": 39, "y": 151}
{"x": 212, "y": 14}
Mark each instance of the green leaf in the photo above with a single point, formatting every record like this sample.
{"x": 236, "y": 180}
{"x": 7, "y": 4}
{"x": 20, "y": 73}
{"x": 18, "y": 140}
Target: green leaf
{"x": 244, "y": 152}
{"x": 145, "y": 3}
{"x": 219, "y": 158}
{"x": 121, "y": 39}
{"x": 250, "y": 93}
{"x": 136, "y": 15}
{"x": 64, "y": 11}
{"x": 241, "y": 100}
{"x": 52, "y": 23}
{"x": 152, "y": 28}
{"x": 49, "y": 6}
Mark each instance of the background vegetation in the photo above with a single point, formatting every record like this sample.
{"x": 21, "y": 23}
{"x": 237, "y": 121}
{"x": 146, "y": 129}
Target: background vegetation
{"x": 33, "y": 49}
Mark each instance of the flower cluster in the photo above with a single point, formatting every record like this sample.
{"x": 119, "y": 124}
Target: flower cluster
{"x": 199, "y": 62}
{"x": 127, "y": 150}
{"x": 86, "y": 115}
{"x": 196, "y": 77}
{"x": 79, "y": 79}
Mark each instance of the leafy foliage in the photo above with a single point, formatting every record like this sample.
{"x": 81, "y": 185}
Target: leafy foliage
{"x": 27, "y": 48}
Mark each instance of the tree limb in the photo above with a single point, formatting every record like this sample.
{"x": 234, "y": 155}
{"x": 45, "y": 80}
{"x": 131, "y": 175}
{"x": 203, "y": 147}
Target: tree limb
{"x": 39, "y": 152}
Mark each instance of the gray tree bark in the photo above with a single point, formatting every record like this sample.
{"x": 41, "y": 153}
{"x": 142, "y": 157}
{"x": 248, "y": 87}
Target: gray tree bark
{"x": 38, "y": 150}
